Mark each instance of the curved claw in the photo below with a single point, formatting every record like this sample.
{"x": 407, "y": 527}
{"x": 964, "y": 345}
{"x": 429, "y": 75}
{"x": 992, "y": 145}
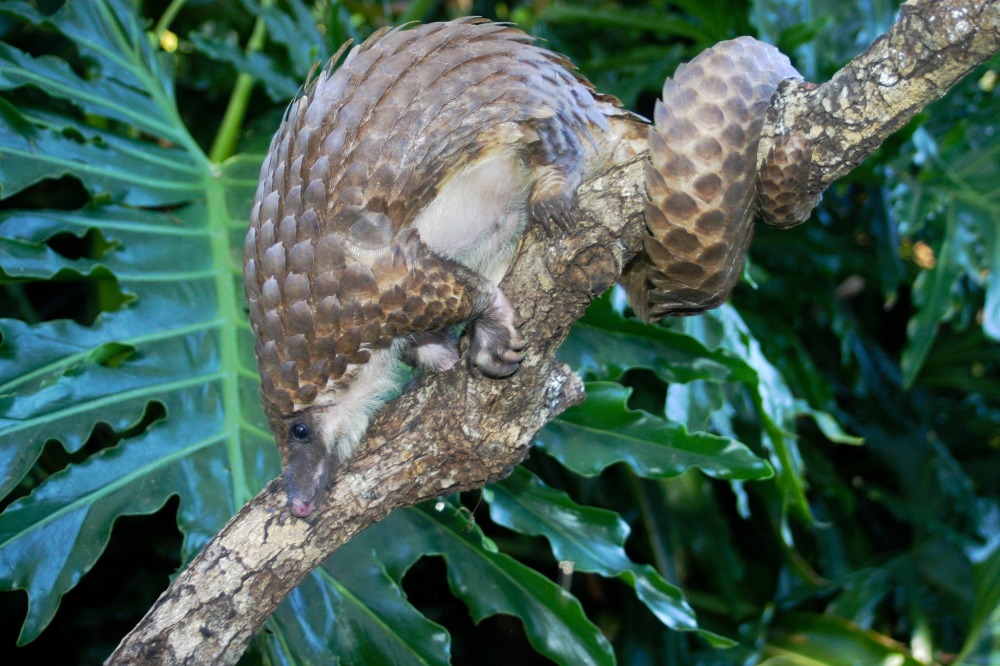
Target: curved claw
{"x": 498, "y": 370}
{"x": 559, "y": 209}
{"x": 494, "y": 358}
{"x": 495, "y": 344}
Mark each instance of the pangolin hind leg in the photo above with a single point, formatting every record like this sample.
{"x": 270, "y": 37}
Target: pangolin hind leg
{"x": 552, "y": 196}
{"x": 436, "y": 351}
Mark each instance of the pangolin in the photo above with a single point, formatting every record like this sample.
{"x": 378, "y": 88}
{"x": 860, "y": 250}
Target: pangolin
{"x": 395, "y": 191}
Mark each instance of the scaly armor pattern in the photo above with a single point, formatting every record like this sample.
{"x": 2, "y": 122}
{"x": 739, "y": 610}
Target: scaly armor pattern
{"x": 398, "y": 184}
{"x": 332, "y": 269}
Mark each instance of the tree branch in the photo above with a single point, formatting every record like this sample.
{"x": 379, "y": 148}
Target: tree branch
{"x": 460, "y": 430}
{"x": 929, "y": 49}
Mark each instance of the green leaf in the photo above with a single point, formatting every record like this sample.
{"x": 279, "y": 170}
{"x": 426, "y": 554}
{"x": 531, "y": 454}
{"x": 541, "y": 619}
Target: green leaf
{"x": 487, "y": 581}
{"x": 991, "y": 307}
{"x": 350, "y": 606}
{"x": 605, "y": 344}
{"x": 165, "y": 227}
{"x": 805, "y": 639}
{"x": 984, "y": 634}
{"x": 278, "y": 85}
{"x": 622, "y": 18}
{"x": 951, "y": 201}
{"x": 862, "y": 593}
{"x": 773, "y": 401}
{"x": 714, "y": 347}
{"x": 125, "y": 170}
{"x": 69, "y": 517}
{"x": 837, "y": 30}
{"x": 932, "y": 291}
{"x": 603, "y": 431}
{"x": 828, "y": 425}
{"x": 591, "y": 539}
{"x": 107, "y": 33}
{"x": 297, "y": 31}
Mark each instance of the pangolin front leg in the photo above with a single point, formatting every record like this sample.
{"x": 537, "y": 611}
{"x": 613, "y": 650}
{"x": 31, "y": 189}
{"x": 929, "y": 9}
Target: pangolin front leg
{"x": 494, "y": 343}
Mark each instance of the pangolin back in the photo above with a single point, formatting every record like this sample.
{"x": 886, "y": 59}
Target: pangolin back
{"x": 332, "y": 269}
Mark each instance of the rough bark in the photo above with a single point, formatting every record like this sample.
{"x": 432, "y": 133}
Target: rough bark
{"x": 931, "y": 47}
{"x": 460, "y": 430}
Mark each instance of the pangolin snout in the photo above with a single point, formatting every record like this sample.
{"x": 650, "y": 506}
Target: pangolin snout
{"x": 304, "y": 484}
{"x": 301, "y": 508}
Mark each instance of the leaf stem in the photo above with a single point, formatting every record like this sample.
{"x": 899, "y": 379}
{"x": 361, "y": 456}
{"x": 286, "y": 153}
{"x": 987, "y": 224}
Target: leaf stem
{"x": 232, "y": 122}
{"x": 659, "y": 549}
{"x": 173, "y": 9}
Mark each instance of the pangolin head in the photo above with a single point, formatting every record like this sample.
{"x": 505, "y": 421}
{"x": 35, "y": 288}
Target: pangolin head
{"x": 305, "y": 456}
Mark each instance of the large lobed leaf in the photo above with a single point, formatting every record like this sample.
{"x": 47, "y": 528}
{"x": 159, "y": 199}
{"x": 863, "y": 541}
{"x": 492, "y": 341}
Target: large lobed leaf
{"x": 697, "y": 354}
{"x": 179, "y": 341}
{"x": 603, "y": 431}
{"x": 589, "y": 539}
{"x": 351, "y": 609}
{"x": 487, "y": 580}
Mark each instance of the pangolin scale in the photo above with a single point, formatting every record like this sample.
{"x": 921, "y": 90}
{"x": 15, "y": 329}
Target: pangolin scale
{"x": 398, "y": 184}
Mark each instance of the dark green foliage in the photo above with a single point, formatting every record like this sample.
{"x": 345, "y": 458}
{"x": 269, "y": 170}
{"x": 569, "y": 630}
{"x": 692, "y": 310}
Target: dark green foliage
{"x": 806, "y": 476}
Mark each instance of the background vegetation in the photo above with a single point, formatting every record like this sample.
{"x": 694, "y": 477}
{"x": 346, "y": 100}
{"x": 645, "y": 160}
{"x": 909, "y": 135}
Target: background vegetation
{"x": 807, "y": 476}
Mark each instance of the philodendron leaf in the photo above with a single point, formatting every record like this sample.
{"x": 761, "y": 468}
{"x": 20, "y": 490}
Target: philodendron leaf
{"x": 828, "y": 425}
{"x": 603, "y": 431}
{"x": 591, "y": 539}
{"x": 604, "y": 345}
{"x": 983, "y": 640}
{"x": 163, "y": 222}
{"x": 714, "y": 348}
{"x": 805, "y": 639}
{"x": 487, "y": 581}
{"x": 776, "y": 408}
{"x": 295, "y": 30}
{"x": 278, "y": 85}
{"x": 69, "y": 517}
{"x": 933, "y": 289}
{"x": 350, "y": 606}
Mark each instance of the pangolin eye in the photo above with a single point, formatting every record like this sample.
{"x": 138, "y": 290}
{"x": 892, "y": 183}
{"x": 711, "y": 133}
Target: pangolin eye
{"x": 300, "y": 431}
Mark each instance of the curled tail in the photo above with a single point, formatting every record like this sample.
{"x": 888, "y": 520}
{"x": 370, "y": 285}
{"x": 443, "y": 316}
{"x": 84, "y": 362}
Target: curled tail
{"x": 703, "y": 182}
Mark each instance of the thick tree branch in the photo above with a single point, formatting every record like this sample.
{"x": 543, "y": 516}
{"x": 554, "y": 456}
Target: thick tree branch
{"x": 929, "y": 49}
{"x": 460, "y": 430}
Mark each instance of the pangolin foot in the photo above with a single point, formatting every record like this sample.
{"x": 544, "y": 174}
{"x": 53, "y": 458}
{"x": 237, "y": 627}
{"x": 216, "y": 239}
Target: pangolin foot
{"x": 495, "y": 344}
